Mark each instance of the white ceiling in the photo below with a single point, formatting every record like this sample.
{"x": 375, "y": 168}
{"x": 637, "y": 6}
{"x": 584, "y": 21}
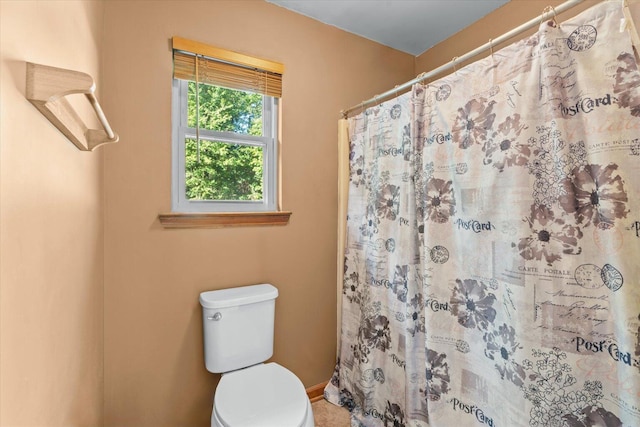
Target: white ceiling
{"x": 411, "y": 26}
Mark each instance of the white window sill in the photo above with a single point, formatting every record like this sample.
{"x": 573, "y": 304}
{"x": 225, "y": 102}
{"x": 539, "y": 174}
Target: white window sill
{"x": 223, "y": 219}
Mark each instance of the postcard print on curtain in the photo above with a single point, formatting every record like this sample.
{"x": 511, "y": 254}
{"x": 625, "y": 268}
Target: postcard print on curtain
{"x": 528, "y": 201}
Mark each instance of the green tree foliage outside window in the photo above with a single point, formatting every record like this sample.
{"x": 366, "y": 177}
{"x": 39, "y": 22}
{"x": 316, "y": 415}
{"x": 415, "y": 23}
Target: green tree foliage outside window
{"x": 224, "y": 171}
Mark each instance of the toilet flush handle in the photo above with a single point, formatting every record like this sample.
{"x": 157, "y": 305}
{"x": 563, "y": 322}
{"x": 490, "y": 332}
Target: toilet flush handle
{"x": 216, "y": 316}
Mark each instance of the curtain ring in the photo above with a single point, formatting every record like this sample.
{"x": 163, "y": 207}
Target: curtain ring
{"x": 491, "y": 47}
{"x": 420, "y": 77}
{"x": 453, "y": 61}
{"x": 547, "y": 10}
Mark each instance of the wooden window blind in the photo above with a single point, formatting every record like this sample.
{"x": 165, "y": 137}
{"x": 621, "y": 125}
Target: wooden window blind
{"x": 225, "y": 68}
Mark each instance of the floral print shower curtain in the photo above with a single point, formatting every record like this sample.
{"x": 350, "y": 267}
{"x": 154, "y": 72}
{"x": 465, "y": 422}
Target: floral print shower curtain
{"x": 492, "y": 263}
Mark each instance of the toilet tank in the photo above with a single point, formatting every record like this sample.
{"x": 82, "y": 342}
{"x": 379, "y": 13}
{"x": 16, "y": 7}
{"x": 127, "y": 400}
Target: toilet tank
{"x": 238, "y": 326}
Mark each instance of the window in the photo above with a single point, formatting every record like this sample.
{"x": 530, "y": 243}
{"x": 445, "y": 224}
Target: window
{"x": 224, "y": 118}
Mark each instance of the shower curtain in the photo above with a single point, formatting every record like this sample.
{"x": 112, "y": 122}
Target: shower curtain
{"x": 492, "y": 256}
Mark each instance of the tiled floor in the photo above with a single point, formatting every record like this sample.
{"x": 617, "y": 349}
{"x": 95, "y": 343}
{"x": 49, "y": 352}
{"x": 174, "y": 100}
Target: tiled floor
{"x": 329, "y": 415}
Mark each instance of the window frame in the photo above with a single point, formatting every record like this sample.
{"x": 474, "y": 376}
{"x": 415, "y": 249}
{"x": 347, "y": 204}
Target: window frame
{"x": 268, "y": 143}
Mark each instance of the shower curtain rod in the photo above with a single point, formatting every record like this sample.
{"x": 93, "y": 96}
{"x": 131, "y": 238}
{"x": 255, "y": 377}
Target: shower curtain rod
{"x": 552, "y": 12}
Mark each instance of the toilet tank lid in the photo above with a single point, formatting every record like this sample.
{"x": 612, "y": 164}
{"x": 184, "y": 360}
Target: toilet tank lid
{"x": 238, "y": 296}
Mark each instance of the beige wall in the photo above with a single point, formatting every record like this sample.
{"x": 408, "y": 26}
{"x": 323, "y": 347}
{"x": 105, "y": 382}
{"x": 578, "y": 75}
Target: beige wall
{"x": 154, "y": 369}
{"x": 51, "y": 229}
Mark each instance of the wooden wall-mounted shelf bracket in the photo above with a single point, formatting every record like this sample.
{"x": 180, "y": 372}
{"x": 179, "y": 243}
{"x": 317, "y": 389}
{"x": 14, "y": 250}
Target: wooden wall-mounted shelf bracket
{"x": 47, "y": 88}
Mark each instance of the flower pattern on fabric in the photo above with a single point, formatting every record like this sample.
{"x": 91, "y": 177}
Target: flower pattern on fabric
{"x": 627, "y": 83}
{"x": 503, "y": 148}
{"x": 369, "y": 226}
{"x": 473, "y": 123}
{"x": 428, "y": 171}
{"x": 415, "y": 315}
{"x": 346, "y": 399}
{"x": 406, "y": 143}
{"x": 356, "y": 171}
{"x": 471, "y": 303}
{"x": 596, "y": 195}
{"x": 376, "y": 333}
{"x": 335, "y": 378}
{"x": 440, "y": 202}
{"x": 437, "y": 376}
{"x": 393, "y": 415}
{"x": 351, "y": 287}
{"x": 546, "y": 165}
{"x": 555, "y": 400}
{"x": 593, "y": 416}
{"x": 550, "y": 237}
{"x": 577, "y": 156}
{"x": 501, "y": 346}
{"x": 400, "y": 282}
{"x": 387, "y": 202}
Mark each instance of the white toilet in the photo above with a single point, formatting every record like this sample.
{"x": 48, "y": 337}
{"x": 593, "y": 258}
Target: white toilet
{"x": 238, "y": 338}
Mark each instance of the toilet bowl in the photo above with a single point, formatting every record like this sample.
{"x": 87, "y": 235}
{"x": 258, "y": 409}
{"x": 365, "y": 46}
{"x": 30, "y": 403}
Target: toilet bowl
{"x": 265, "y": 395}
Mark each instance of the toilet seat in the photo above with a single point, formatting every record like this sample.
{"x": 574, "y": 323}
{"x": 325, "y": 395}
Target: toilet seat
{"x": 265, "y": 395}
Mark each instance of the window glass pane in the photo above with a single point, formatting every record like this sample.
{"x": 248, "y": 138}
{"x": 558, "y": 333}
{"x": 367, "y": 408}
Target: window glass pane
{"x": 224, "y": 171}
{"x": 225, "y": 110}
